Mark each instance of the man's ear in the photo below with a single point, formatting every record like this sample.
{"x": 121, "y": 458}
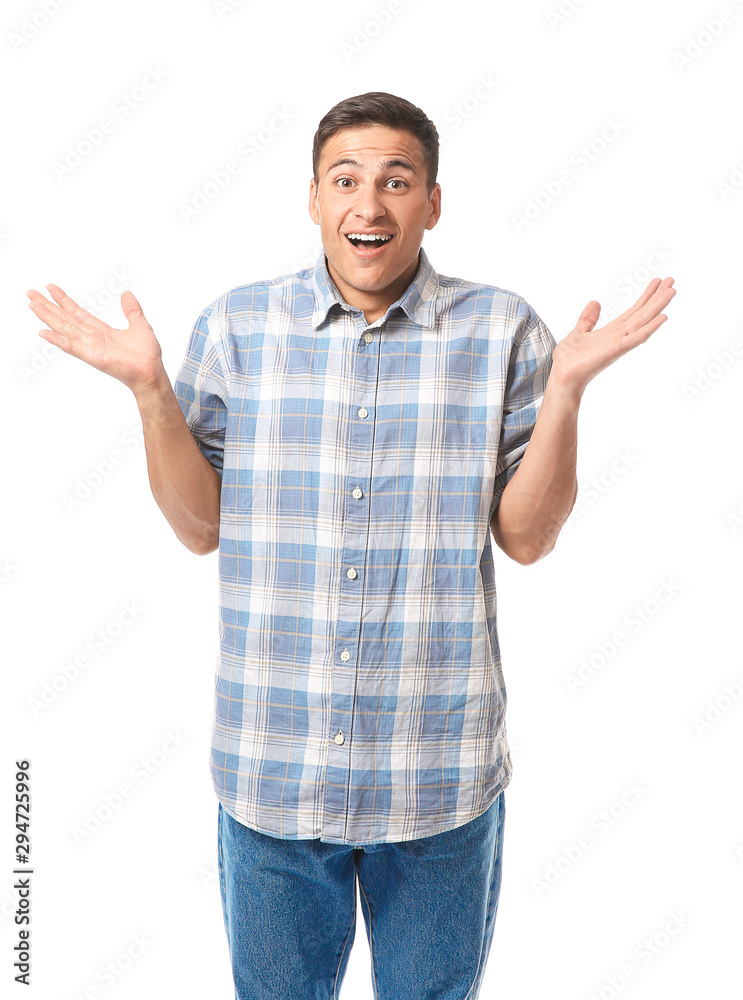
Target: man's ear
{"x": 314, "y": 214}
{"x": 435, "y": 201}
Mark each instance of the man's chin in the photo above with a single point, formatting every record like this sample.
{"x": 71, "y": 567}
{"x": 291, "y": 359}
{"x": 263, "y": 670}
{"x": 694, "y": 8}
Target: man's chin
{"x": 367, "y": 276}
{"x": 372, "y": 275}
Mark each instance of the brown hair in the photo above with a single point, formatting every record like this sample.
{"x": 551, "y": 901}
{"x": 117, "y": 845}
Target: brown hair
{"x": 379, "y": 108}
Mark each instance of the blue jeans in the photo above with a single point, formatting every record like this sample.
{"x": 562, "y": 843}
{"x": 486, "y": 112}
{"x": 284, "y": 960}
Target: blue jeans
{"x": 429, "y": 906}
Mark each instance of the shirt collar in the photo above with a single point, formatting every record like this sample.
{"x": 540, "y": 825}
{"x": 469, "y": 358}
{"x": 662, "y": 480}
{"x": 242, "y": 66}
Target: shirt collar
{"x": 418, "y": 301}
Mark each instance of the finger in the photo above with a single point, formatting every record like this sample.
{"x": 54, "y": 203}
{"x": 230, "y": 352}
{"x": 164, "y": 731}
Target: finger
{"x": 589, "y": 317}
{"x": 82, "y": 320}
{"x": 67, "y": 318}
{"x": 131, "y": 308}
{"x": 663, "y": 293}
{"x": 65, "y": 344}
{"x": 657, "y": 302}
{"x": 35, "y": 296}
{"x": 70, "y": 306}
{"x": 652, "y": 289}
{"x": 635, "y": 337}
{"x": 644, "y": 298}
{"x": 55, "y": 318}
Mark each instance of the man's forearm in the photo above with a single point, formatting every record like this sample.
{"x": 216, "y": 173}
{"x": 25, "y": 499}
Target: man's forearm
{"x": 537, "y": 501}
{"x": 185, "y": 485}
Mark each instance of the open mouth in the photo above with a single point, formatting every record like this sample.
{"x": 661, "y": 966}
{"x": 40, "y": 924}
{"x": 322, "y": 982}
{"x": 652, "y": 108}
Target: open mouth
{"x": 368, "y": 247}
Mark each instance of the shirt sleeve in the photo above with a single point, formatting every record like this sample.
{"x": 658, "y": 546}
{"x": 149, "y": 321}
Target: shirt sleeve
{"x": 528, "y": 370}
{"x": 202, "y": 386}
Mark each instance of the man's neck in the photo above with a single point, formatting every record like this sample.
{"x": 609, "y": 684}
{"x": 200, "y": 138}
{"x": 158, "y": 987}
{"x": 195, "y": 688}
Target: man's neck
{"x": 374, "y": 305}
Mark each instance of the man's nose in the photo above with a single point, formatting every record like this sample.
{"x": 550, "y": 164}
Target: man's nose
{"x": 368, "y": 204}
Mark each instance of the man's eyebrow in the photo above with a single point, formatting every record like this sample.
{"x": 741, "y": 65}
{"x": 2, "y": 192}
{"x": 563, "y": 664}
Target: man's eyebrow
{"x": 384, "y": 164}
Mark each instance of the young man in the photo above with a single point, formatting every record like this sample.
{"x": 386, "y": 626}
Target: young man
{"x": 348, "y": 436}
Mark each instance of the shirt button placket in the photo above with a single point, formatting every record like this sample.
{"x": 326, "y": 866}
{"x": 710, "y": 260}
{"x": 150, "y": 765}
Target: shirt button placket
{"x": 362, "y": 377}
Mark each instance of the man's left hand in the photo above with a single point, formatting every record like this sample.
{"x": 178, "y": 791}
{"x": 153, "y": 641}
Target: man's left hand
{"x": 585, "y": 351}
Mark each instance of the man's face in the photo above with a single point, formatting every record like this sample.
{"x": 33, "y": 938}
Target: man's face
{"x": 373, "y": 180}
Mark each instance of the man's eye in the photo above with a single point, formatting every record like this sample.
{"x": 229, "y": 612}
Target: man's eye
{"x": 395, "y": 180}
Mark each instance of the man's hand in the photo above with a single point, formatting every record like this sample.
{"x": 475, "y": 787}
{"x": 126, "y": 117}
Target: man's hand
{"x": 132, "y": 356}
{"x": 538, "y": 499}
{"x": 585, "y": 351}
{"x": 185, "y": 485}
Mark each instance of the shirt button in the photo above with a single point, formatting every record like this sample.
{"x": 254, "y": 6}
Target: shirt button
{"x": 351, "y": 573}
{"x": 357, "y": 494}
{"x": 363, "y": 412}
{"x": 345, "y": 655}
{"x": 368, "y": 337}
{"x": 339, "y": 738}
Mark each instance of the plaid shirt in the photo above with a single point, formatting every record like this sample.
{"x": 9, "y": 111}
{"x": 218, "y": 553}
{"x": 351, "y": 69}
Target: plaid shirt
{"x": 359, "y": 696}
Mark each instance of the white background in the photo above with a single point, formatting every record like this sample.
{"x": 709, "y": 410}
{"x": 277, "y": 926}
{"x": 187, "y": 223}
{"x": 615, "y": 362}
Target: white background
{"x": 515, "y": 89}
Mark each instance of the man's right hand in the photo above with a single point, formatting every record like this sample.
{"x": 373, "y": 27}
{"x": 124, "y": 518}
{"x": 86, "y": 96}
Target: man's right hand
{"x": 185, "y": 485}
{"x": 132, "y": 356}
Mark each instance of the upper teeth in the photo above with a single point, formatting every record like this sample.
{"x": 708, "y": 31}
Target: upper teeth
{"x": 368, "y": 236}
